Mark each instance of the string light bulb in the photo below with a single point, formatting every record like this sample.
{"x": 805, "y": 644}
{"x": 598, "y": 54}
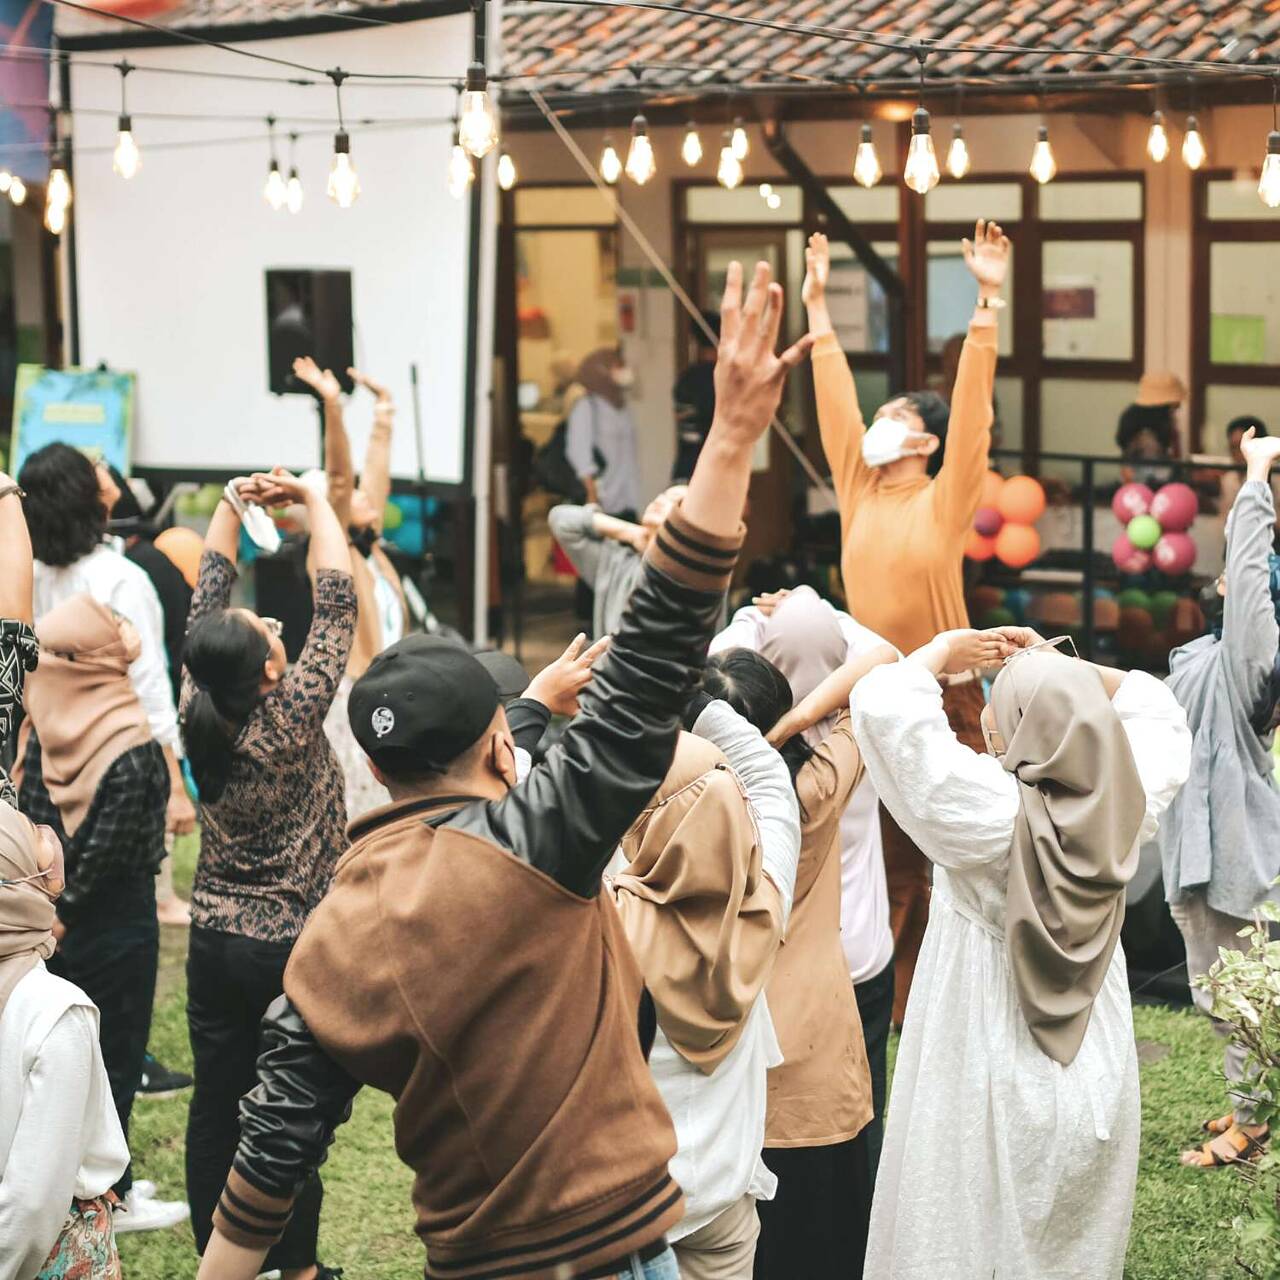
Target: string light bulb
{"x": 1158, "y": 138}
{"x": 866, "y": 161}
{"x": 461, "y": 172}
{"x": 344, "y": 182}
{"x": 773, "y": 200}
{"x": 958, "y": 162}
{"x": 17, "y": 190}
{"x": 506, "y": 171}
{"x": 740, "y": 143}
{"x": 6, "y": 178}
{"x": 58, "y": 188}
{"x": 55, "y": 217}
{"x": 921, "y": 172}
{"x": 1194, "y": 152}
{"x": 641, "y": 166}
{"x": 610, "y": 163}
{"x": 691, "y": 148}
{"x": 293, "y": 193}
{"x": 126, "y": 159}
{"x": 729, "y": 172}
{"x": 477, "y": 123}
{"x": 1044, "y": 166}
{"x": 1269, "y": 183}
{"x": 274, "y": 191}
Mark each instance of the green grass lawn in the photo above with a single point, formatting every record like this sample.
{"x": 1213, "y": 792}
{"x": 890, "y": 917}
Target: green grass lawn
{"x": 1180, "y": 1227}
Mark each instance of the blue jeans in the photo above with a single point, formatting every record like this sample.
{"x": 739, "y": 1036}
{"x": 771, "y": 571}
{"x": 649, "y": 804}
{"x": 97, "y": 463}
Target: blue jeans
{"x": 663, "y": 1267}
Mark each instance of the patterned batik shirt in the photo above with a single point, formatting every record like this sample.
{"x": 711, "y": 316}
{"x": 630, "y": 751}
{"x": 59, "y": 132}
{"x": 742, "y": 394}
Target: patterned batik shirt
{"x": 19, "y": 653}
{"x": 269, "y": 843}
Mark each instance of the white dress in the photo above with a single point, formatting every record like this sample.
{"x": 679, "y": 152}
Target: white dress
{"x": 999, "y": 1163}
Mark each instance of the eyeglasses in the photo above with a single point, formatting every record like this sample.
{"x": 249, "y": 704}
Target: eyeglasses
{"x": 274, "y": 626}
{"x": 1044, "y": 644}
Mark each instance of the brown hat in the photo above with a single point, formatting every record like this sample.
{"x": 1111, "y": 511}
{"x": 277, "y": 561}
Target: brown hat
{"x": 1161, "y": 388}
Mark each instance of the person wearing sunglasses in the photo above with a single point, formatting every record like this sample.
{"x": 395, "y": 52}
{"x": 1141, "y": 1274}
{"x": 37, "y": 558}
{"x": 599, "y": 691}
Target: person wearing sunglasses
{"x": 273, "y": 818}
{"x": 1015, "y": 1111}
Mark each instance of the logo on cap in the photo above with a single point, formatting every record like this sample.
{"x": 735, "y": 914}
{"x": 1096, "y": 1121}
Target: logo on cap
{"x": 383, "y": 721}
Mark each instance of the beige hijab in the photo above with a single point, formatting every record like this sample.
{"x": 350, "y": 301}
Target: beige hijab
{"x": 81, "y": 702}
{"x": 26, "y": 913}
{"x": 803, "y": 640}
{"x": 1082, "y": 805}
{"x": 700, "y": 915}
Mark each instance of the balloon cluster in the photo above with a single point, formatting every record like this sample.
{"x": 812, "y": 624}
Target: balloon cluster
{"x": 1004, "y": 524}
{"x": 1155, "y": 528}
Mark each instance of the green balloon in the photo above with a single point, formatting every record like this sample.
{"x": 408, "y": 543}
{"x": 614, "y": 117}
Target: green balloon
{"x": 1144, "y": 532}
{"x": 393, "y": 516}
{"x": 1163, "y": 603}
{"x": 1134, "y": 597}
{"x": 997, "y": 618}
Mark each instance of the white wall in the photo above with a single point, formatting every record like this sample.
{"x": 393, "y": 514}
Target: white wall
{"x": 171, "y": 264}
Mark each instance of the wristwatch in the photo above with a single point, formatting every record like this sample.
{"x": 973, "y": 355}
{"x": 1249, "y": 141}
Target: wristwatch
{"x": 991, "y": 304}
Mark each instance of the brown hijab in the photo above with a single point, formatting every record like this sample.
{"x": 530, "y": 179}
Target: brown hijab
{"x": 1081, "y": 808}
{"x": 26, "y": 913}
{"x": 81, "y": 702}
{"x": 595, "y": 375}
{"x": 702, "y": 919}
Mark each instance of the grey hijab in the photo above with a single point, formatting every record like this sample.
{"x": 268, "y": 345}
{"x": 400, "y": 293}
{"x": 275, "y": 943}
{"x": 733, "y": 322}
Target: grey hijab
{"x": 1081, "y": 807}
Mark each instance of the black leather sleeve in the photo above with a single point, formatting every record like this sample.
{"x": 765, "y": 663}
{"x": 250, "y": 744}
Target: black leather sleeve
{"x": 528, "y": 720}
{"x": 567, "y": 817}
{"x": 288, "y": 1120}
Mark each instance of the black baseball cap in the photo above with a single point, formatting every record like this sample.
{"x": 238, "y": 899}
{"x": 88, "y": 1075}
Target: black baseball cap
{"x": 510, "y": 677}
{"x": 420, "y": 705}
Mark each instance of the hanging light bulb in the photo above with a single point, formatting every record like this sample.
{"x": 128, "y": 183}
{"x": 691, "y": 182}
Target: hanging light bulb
{"x": 921, "y": 172}
{"x": 506, "y": 171}
{"x": 293, "y": 194}
{"x": 274, "y": 191}
{"x": 126, "y": 160}
{"x": 1158, "y": 138}
{"x": 1194, "y": 152}
{"x": 1043, "y": 165}
{"x": 691, "y": 148}
{"x": 344, "y": 182}
{"x": 6, "y": 178}
{"x": 958, "y": 152}
{"x": 1269, "y": 183}
{"x": 641, "y": 165}
{"x": 461, "y": 171}
{"x": 729, "y": 173}
{"x": 17, "y": 190}
{"x": 477, "y": 124}
{"x": 866, "y": 162}
{"x": 773, "y": 200}
{"x": 741, "y": 146}
{"x": 610, "y": 163}
{"x": 55, "y": 216}
{"x": 57, "y": 190}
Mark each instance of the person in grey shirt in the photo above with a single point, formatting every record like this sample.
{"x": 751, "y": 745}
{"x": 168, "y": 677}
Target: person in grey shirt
{"x": 600, "y": 437}
{"x": 1220, "y": 840}
{"x": 608, "y": 553}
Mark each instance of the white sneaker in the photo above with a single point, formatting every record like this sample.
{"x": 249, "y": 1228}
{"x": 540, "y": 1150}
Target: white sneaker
{"x": 145, "y": 1213}
{"x": 144, "y": 1189}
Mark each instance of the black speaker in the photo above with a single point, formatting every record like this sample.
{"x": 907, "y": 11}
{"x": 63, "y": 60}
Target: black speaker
{"x": 308, "y": 314}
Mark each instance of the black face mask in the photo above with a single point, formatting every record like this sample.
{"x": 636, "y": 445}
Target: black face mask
{"x": 364, "y": 540}
{"x": 1211, "y": 605}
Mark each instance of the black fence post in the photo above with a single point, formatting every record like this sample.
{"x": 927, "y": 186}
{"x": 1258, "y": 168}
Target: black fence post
{"x": 1087, "y": 549}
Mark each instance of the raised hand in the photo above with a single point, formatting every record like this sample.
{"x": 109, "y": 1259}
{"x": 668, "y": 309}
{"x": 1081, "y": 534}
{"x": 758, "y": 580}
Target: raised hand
{"x": 770, "y": 600}
{"x": 987, "y": 256}
{"x": 277, "y": 488}
{"x": 323, "y": 382}
{"x": 557, "y": 687}
{"x": 817, "y": 264}
{"x": 1259, "y": 453}
{"x": 363, "y": 380}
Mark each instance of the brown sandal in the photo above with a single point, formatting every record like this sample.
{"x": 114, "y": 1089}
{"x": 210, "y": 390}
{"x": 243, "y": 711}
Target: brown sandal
{"x": 1235, "y": 1146}
{"x": 1220, "y": 1125}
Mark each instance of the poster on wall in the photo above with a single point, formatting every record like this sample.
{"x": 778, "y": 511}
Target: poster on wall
{"x": 89, "y": 409}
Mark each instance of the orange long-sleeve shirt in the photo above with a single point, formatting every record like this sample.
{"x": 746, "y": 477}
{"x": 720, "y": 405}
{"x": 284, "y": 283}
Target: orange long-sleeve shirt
{"x": 903, "y": 540}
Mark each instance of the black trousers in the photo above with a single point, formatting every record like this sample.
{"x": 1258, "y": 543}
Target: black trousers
{"x": 815, "y": 1228}
{"x": 875, "y": 1006}
{"x": 230, "y": 982}
{"x": 111, "y": 952}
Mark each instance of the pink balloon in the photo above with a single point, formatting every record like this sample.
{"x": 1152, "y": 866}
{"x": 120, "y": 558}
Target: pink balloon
{"x": 987, "y": 521}
{"x": 1174, "y": 554}
{"x": 1131, "y": 500}
{"x": 1176, "y": 507}
{"x": 1128, "y": 558}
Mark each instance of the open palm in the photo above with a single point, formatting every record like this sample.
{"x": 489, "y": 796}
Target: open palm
{"x": 987, "y": 254}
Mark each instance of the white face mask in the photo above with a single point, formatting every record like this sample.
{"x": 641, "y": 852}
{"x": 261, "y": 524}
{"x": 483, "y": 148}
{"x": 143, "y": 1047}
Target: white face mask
{"x": 885, "y": 441}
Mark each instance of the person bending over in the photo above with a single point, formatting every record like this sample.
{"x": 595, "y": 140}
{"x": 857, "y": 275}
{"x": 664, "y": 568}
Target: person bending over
{"x": 465, "y": 960}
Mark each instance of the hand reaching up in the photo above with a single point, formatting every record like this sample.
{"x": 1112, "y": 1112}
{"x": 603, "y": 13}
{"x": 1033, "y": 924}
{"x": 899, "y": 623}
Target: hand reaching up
{"x": 987, "y": 256}
{"x": 1260, "y": 452}
{"x": 557, "y": 687}
{"x": 817, "y": 263}
{"x": 364, "y": 380}
{"x": 323, "y": 382}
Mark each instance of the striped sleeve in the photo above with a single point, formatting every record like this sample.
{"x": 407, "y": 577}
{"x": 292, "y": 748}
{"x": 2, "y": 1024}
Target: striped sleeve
{"x": 249, "y": 1217}
{"x": 695, "y": 559}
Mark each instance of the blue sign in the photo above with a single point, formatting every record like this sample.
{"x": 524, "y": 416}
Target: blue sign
{"x": 89, "y": 409}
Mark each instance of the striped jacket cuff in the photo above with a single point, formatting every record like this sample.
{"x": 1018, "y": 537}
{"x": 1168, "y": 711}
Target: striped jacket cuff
{"x": 249, "y": 1217}
{"x": 696, "y": 559}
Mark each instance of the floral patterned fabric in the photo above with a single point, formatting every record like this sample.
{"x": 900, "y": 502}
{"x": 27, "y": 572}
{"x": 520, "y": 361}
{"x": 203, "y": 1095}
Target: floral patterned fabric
{"x": 19, "y": 653}
{"x": 86, "y": 1247}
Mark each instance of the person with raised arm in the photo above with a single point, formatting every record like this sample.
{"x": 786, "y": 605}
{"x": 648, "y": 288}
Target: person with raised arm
{"x": 465, "y": 959}
{"x": 907, "y": 488}
{"x": 273, "y": 819}
{"x": 1012, "y": 1140}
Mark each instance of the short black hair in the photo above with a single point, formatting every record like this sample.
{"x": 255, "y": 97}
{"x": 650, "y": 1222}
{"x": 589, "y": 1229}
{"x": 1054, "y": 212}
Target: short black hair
{"x": 935, "y": 414}
{"x": 1244, "y": 422}
{"x": 1137, "y": 418}
{"x": 63, "y": 505}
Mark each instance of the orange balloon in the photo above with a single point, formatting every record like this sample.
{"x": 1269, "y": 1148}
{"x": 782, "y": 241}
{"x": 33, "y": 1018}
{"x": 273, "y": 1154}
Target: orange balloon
{"x": 1021, "y": 500}
{"x": 183, "y": 547}
{"x": 992, "y": 483}
{"x": 976, "y": 547}
{"x": 1017, "y": 545}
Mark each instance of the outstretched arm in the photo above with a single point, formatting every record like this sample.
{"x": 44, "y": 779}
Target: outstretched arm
{"x": 338, "y": 467}
{"x": 15, "y": 581}
{"x": 959, "y": 483}
{"x": 831, "y": 695}
{"x": 375, "y": 477}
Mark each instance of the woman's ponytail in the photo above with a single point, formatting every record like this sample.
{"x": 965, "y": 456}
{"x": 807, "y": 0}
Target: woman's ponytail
{"x": 224, "y": 656}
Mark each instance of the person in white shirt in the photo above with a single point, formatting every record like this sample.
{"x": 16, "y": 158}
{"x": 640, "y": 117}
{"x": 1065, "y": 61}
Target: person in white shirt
{"x": 704, "y": 900}
{"x": 600, "y": 440}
